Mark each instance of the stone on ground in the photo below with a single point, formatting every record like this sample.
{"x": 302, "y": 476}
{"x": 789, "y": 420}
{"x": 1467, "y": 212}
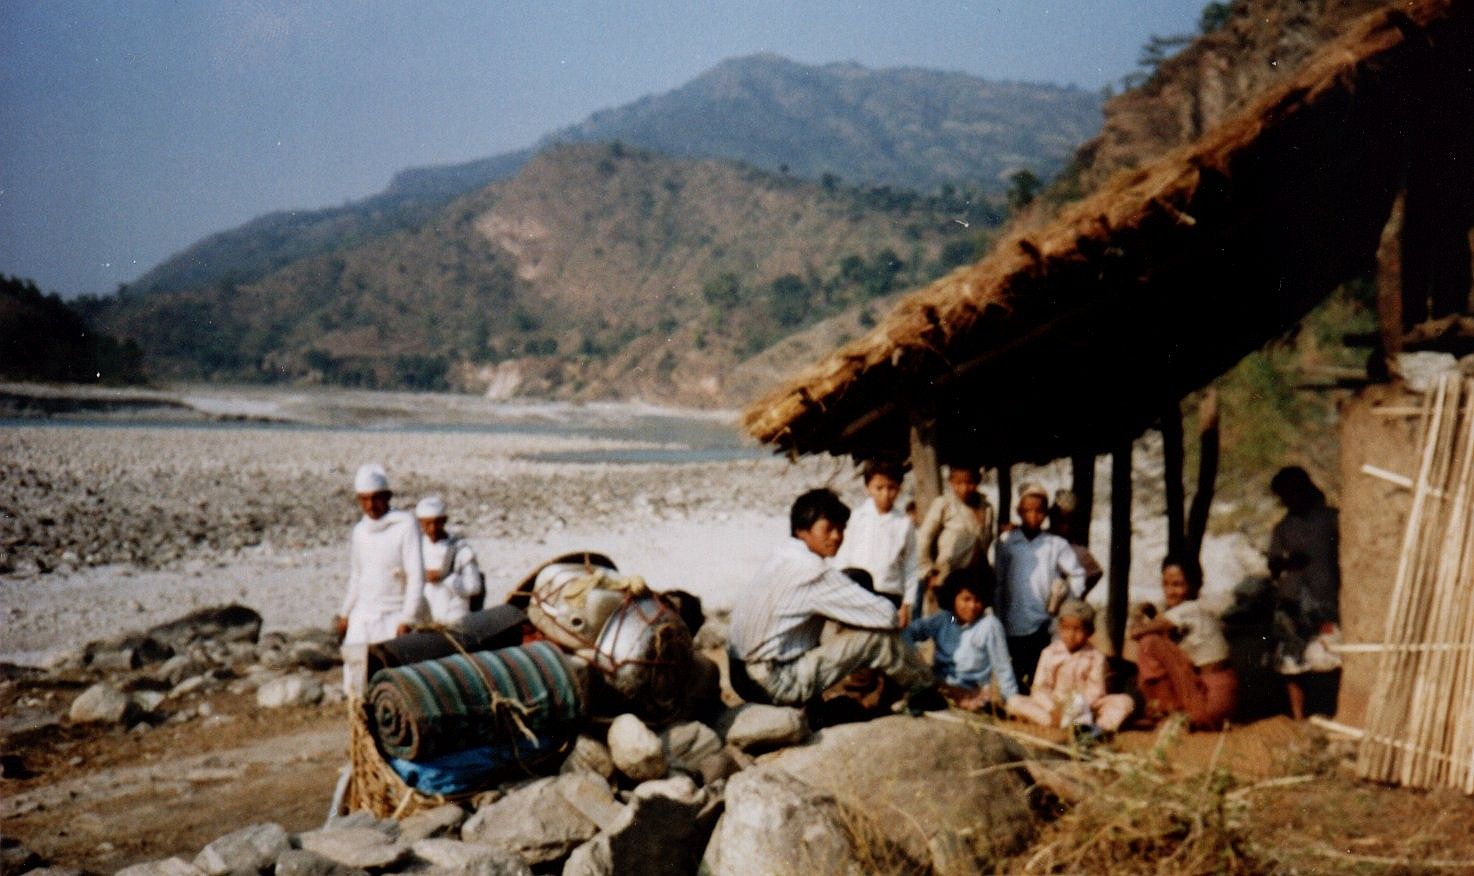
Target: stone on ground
{"x": 482, "y": 860}
{"x": 757, "y": 727}
{"x": 291, "y": 690}
{"x": 661, "y": 831}
{"x": 534, "y": 821}
{"x": 636, "y": 750}
{"x": 364, "y": 848}
{"x": 942, "y": 792}
{"x": 167, "y": 867}
{"x": 300, "y": 862}
{"x": 440, "y": 821}
{"x": 246, "y": 851}
{"x": 100, "y": 703}
{"x": 590, "y": 755}
{"x": 690, "y": 744}
{"x": 229, "y": 623}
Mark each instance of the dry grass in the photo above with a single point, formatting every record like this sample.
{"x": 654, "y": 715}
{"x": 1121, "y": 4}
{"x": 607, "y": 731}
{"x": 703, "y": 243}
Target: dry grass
{"x": 1155, "y": 812}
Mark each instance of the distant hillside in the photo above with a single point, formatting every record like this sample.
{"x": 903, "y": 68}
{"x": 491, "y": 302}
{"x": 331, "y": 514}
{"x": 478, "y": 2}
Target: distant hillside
{"x": 916, "y": 129}
{"x": 43, "y": 337}
{"x": 598, "y": 271}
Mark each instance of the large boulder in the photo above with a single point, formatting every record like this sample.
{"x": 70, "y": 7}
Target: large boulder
{"x": 245, "y": 852}
{"x": 100, "y": 704}
{"x": 227, "y": 623}
{"x": 775, "y": 824}
{"x": 940, "y": 788}
{"x": 535, "y": 821}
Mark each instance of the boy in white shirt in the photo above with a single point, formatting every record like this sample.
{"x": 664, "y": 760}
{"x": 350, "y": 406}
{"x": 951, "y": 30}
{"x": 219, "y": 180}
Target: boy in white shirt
{"x": 881, "y": 539}
{"x": 1030, "y": 561}
{"x": 452, "y": 577}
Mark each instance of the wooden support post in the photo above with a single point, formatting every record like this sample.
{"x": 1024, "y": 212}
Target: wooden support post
{"x": 1389, "y": 282}
{"x": 1119, "y": 593}
{"x": 1171, "y": 426}
{"x": 1197, "y": 514}
{"x": 1005, "y": 495}
{"x": 1082, "y": 484}
{"x": 926, "y": 473}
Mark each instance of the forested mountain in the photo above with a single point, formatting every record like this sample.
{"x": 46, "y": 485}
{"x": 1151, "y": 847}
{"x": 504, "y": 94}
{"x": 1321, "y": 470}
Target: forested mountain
{"x": 598, "y": 271}
{"x": 909, "y": 128}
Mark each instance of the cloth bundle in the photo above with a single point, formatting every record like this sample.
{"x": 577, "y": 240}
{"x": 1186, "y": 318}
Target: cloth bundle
{"x": 489, "y": 630}
{"x": 499, "y": 698}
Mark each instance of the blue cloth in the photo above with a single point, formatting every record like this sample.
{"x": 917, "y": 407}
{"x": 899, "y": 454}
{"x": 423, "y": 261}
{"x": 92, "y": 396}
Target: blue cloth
{"x": 966, "y": 656}
{"x": 468, "y": 770}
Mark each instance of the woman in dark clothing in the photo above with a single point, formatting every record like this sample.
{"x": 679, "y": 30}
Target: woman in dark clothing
{"x": 1304, "y": 560}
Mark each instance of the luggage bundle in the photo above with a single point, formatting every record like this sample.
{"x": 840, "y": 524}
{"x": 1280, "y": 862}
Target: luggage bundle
{"x": 450, "y": 712}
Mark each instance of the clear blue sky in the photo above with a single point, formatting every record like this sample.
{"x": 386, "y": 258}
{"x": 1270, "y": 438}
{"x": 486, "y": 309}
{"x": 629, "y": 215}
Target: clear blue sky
{"x": 131, "y": 128}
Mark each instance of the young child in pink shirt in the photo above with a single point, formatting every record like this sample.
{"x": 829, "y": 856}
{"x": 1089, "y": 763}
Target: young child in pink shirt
{"x": 1069, "y": 687}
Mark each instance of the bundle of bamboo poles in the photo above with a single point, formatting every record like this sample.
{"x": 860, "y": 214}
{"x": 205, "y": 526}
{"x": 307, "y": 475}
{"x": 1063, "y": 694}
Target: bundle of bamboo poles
{"x": 1420, "y": 723}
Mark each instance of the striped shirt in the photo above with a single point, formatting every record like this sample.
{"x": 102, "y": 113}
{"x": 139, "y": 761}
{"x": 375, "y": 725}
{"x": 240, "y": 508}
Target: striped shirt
{"x": 782, "y": 614}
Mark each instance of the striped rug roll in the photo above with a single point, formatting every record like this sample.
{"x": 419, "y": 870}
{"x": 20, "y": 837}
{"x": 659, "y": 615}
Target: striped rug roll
{"x": 427, "y": 709}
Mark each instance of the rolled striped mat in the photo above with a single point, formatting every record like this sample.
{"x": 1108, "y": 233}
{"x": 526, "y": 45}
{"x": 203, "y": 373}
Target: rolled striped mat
{"x": 465, "y": 701}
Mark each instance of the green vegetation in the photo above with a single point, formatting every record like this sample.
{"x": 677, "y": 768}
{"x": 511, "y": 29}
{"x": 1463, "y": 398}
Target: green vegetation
{"x": 1280, "y": 409}
{"x": 43, "y": 338}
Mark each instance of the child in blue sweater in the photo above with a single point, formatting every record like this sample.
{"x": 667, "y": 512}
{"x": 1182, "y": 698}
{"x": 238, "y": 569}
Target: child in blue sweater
{"x": 971, "y": 656}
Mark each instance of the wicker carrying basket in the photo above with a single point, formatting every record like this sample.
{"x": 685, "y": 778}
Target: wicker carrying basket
{"x": 374, "y": 786}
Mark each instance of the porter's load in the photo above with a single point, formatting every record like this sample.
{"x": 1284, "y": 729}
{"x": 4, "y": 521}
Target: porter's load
{"x": 492, "y": 629}
{"x": 491, "y": 698}
{"x": 571, "y": 602}
{"x": 644, "y": 656}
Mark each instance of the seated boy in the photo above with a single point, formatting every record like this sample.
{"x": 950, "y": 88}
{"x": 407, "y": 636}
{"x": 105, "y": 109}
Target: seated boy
{"x": 880, "y": 539}
{"x": 452, "y": 578}
{"x": 971, "y": 652}
{"x": 773, "y": 644}
{"x": 1070, "y": 682}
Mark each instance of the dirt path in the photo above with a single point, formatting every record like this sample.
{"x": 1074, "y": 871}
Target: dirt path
{"x": 105, "y": 799}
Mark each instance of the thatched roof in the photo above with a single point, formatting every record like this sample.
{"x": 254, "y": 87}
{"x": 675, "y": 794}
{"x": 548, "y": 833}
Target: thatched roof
{"x": 1066, "y": 339}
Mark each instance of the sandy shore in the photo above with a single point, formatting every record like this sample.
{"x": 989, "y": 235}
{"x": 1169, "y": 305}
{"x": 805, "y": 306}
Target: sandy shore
{"x": 109, "y": 526}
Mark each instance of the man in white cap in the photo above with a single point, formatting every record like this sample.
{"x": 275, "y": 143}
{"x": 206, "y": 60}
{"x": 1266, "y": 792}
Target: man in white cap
{"x": 452, "y": 577}
{"x": 386, "y": 578}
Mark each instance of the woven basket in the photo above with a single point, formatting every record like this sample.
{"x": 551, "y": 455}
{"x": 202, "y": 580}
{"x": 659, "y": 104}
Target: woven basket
{"x": 374, "y": 786}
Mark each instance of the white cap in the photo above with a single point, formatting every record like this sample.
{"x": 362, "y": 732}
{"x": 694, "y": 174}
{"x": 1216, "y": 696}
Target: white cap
{"x": 430, "y": 508}
{"x": 370, "y": 479}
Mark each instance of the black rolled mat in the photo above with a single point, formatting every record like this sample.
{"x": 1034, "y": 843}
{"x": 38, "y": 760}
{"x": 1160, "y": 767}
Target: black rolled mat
{"x": 492, "y": 629}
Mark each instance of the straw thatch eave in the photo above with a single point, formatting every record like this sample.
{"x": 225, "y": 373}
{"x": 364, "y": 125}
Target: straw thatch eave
{"x": 1066, "y": 339}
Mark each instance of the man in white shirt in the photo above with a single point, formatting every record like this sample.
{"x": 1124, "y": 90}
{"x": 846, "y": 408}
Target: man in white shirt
{"x": 774, "y": 644}
{"x": 452, "y": 577}
{"x": 386, "y": 574}
{"x": 881, "y": 539}
{"x": 1030, "y": 562}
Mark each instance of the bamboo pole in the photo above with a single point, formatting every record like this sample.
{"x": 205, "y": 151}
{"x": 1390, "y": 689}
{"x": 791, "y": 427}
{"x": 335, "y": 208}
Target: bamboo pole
{"x": 1373, "y": 760}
